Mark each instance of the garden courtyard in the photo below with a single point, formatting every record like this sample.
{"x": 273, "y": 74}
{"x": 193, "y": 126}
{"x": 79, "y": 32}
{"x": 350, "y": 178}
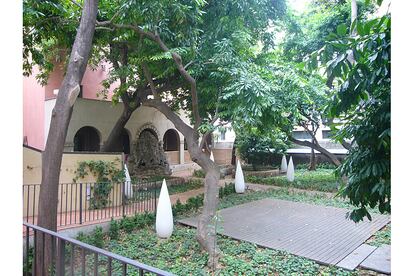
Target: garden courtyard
{"x": 271, "y": 229}
{"x": 193, "y": 137}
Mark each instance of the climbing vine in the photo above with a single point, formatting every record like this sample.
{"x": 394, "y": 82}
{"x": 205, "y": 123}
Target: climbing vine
{"x": 106, "y": 173}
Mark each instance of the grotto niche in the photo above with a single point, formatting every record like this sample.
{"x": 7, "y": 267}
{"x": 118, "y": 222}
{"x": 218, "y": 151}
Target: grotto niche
{"x": 147, "y": 157}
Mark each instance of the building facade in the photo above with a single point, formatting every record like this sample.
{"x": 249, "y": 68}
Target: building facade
{"x": 94, "y": 117}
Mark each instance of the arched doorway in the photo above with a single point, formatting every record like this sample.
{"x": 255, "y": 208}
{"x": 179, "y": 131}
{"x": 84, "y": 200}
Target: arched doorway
{"x": 123, "y": 143}
{"x": 171, "y": 140}
{"x": 86, "y": 139}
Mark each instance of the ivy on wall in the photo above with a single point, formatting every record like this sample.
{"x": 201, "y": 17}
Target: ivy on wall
{"x": 106, "y": 173}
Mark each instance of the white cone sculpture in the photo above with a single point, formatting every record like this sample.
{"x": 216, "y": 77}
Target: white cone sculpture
{"x": 290, "y": 174}
{"x": 127, "y": 188}
{"x": 164, "y": 220}
{"x": 212, "y": 156}
{"x": 239, "y": 185}
{"x": 283, "y": 165}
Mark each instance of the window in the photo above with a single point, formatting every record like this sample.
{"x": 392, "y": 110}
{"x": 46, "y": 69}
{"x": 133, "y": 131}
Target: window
{"x": 86, "y": 139}
{"x": 301, "y": 135}
{"x": 171, "y": 140}
{"x": 326, "y": 134}
{"x": 223, "y": 135}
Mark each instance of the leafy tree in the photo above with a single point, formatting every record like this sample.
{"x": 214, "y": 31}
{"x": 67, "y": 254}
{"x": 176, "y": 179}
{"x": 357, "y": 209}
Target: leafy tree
{"x": 362, "y": 101}
{"x": 38, "y": 25}
{"x": 49, "y": 29}
{"x": 186, "y": 39}
{"x": 259, "y": 148}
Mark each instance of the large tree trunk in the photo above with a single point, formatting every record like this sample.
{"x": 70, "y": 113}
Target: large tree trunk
{"x": 312, "y": 159}
{"x": 317, "y": 147}
{"x": 115, "y": 135}
{"x": 206, "y": 235}
{"x": 61, "y": 114}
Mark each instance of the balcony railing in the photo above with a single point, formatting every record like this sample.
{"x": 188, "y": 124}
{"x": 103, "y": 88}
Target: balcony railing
{"x": 72, "y": 257}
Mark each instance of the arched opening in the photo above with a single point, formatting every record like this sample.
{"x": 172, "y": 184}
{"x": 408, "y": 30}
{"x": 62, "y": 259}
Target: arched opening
{"x": 123, "y": 143}
{"x": 86, "y": 139}
{"x": 146, "y": 131}
{"x": 171, "y": 140}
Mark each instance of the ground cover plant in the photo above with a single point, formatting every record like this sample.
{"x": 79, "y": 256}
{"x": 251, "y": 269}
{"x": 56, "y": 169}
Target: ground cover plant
{"x": 134, "y": 237}
{"x": 323, "y": 180}
{"x": 143, "y": 193}
{"x": 381, "y": 237}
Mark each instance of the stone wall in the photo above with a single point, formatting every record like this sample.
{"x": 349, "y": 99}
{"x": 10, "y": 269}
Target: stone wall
{"x": 148, "y": 157}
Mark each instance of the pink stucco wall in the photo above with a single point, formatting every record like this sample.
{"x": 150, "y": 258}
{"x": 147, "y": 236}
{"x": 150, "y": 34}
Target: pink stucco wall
{"x": 91, "y": 81}
{"x": 34, "y": 96}
{"x": 33, "y": 111}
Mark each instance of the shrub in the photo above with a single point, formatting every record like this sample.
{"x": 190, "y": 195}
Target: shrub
{"x": 318, "y": 166}
{"x": 96, "y": 238}
{"x": 199, "y": 173}
{"x": 321, "y": 180}
{"x": 259, "y": 148}
{"x": 114, "y": 228}
{"x": 226, "y": 190}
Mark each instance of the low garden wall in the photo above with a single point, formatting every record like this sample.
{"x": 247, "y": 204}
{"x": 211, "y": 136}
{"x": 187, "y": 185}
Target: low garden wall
{"x": 32, "y": 164}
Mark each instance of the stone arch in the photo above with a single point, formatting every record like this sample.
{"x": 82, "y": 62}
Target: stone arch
{"x": 152, "y": 128}
{"x": 171, "y": 140}
{"x": 147, "y": 155}
{"x": 87, "y": 138}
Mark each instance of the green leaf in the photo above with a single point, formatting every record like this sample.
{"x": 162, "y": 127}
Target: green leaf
{"x": 360, "y": 28}
{"x": 341, "y": 29}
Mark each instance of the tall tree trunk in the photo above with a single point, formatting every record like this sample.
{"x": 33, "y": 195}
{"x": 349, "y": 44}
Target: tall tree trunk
{"x": 61, "y": 114}
{"x": 312, "y": 160}
{"x": 354, "y": 14}
{"x": 206, "y": 235}
{"x": 115, "y": 135}
{"x": 317, "y": 147}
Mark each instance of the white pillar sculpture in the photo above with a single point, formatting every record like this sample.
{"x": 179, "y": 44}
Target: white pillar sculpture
{"x": 212, "y": 156}
{"x": 290, "y": 174}
{"x": 239, "y": 181}
{"x": 128, "y": 187}
{"x": 283, "y": 165}
{"x": 164, "y": 221}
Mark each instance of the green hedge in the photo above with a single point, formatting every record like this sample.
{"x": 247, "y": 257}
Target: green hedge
{"x": 322, "y": 180}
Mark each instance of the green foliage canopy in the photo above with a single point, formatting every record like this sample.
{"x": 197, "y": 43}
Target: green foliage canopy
{"x": 361, "y": 68}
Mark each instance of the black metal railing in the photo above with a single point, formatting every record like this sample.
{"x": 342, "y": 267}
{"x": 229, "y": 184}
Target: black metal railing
{"x": 80, "y": 203}
{"x": 72, "y": 257}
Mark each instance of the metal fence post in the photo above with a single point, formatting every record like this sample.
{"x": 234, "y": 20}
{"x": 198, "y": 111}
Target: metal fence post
{"x": 123, "y": 198}
{"x": 155, "y": 198}
{"x": 61, "y": 258}
{"x": 80, "y": 203}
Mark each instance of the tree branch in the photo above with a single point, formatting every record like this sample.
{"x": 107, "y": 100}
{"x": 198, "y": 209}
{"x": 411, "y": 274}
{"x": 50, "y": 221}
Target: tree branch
{"x": 76, "y": 3}
{"x": 177, "y": 59}
{"x": 182, "y": 127}
{"x": 317, "y": 147}
{"x": 148, "y": 76}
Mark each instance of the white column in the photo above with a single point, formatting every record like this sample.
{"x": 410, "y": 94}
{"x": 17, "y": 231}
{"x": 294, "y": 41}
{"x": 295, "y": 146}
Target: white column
{"x": 181, "y": 152}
